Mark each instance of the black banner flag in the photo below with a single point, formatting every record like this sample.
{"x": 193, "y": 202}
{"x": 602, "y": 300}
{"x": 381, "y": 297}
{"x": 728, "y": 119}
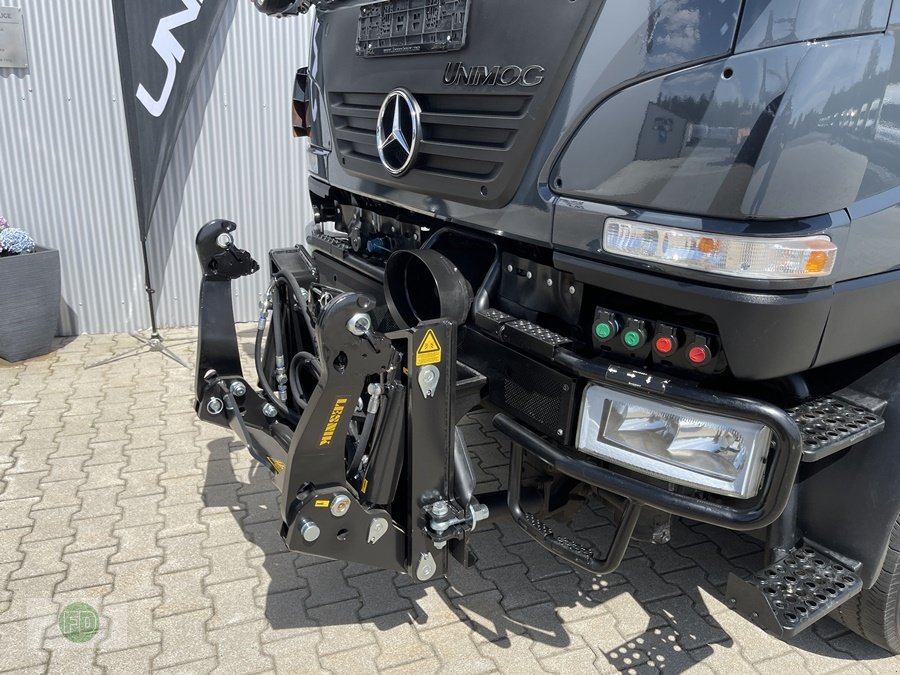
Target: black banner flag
{"x": 162, "y": 45}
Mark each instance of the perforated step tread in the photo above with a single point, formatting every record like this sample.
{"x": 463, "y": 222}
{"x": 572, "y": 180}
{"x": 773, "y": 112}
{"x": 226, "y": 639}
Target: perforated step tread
{"x": 792, "y": 594}
{"x": 520, "y": 333}
{"x": 831, "y": 424}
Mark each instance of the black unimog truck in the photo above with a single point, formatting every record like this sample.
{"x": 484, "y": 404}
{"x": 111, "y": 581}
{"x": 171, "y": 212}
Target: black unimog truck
{"x": 659, "y": 239}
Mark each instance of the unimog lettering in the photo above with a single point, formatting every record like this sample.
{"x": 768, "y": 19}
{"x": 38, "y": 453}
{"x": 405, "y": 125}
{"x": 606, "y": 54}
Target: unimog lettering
{"x": 457, "y": 73}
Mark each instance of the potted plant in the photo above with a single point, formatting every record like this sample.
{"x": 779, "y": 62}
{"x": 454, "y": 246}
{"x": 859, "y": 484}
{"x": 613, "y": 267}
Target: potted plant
{"x": 29, "y": 295}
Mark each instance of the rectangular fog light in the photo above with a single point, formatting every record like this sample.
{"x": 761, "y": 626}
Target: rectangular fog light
{"x": 709, "y": 452}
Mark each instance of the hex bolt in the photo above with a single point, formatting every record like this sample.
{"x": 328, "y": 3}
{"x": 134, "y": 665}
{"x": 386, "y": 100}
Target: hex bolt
{"x": 571, "y": 290}
{"x": 550, "y": 282}
{"x": 215, "y": 406}
{"x": 238, "y": 388}
{"x": 509, "y": 268}
{"x": 270, "y": 411}
{"x": 528, "y": 275}
{"x": 309, "y": 531}
{"x": 340, "y": 506}
{"x": 359, "y": 324}
{"x": 440, "y": 509}
{"x": 559, "y": 432}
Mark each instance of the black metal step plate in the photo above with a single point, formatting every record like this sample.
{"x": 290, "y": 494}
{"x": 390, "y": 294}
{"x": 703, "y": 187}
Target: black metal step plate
{"x": 791, "y": 595}
{"x": 831, "y": 424}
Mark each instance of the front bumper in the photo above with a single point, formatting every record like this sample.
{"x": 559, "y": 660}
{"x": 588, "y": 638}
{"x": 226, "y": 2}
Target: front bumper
{"x": 749, "y": 514}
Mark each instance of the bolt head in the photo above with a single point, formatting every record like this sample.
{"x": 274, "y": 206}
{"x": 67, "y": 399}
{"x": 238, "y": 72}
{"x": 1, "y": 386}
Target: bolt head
{"x": 215, "y": 406}
{"x": 528, "y": 275}
{"x": 224, "y": 240}
{"x": 571, "y": 290}
{"x": 238, "y": 389}
{"x": 440, "y": 509}
{"x": 559, "y": 432}
{"x": 509, "y": 268}
{"x": 340, "y": 505}
{"x": 270, "y": 411}
{"x": 309, "y": 531}
{"x": 549, "y": 282}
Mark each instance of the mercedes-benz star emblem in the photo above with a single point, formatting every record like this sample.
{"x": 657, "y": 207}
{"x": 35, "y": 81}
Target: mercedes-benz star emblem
{"x": 399, "y": 131}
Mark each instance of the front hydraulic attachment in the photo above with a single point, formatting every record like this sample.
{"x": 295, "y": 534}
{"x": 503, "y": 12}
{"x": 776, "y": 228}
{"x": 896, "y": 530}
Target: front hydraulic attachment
{"x": 367, "y": 458}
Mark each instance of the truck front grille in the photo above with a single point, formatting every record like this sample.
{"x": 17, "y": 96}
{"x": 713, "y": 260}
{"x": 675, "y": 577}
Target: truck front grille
{"x": 464, "y": 136}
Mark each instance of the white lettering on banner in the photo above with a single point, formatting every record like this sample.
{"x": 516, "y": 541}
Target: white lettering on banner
{"x": 171, "y": 52}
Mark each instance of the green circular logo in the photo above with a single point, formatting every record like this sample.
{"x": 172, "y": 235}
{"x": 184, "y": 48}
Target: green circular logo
{"x": 79, "y": 622}
{"x": 604, "y": 330}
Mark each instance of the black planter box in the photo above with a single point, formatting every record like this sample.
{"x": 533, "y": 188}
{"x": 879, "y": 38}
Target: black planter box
{"x": 29, "y": 303}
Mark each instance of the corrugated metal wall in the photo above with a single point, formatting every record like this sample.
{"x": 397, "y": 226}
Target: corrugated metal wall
{"x": 65, "y": 172}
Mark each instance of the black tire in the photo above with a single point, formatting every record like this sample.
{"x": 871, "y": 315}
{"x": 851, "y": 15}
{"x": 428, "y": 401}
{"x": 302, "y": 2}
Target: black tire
{"x": 875, "y": 613}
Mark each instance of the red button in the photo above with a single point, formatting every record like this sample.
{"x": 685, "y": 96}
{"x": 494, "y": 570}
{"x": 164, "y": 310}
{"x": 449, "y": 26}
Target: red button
{"x": 699, "y": 355}
{"x": 665, "y": 345}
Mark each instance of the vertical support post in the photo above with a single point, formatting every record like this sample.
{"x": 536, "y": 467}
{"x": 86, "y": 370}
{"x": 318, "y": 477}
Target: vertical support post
{"x": 430, "y": 437}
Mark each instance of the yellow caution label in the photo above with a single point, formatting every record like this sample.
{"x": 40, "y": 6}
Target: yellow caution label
{"x": 364, "y": 486}
{"x": 322, "y": 503}
{"x": 429, "y": 351}
{"x": 277, "y": 464}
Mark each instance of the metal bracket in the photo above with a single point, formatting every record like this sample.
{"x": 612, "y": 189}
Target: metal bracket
{"x": 429, "y": 376}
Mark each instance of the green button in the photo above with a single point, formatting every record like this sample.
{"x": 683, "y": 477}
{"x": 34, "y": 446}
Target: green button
{"x": 632, "y": 338}
{"x": 603, "y": 330}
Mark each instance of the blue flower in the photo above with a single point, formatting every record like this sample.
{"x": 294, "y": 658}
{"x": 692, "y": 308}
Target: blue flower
{"x": 13, "y": 240}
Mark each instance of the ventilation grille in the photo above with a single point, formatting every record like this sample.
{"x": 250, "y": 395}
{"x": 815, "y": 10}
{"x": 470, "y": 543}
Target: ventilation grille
{"x": 463, "y": 136}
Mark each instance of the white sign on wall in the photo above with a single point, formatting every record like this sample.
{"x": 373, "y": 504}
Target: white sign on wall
{"x": 13, "y": 53}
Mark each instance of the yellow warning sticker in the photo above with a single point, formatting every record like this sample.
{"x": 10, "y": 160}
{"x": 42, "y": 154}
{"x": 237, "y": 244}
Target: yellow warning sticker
{"x": 364, "y": 486}
{"x": 322, "y": 503}
{"x": 429, "y": 351}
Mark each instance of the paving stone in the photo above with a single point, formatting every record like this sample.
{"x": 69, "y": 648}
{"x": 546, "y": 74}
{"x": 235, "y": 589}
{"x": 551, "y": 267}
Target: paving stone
{"x": 97, "y": 502}
{"x": 183, "y": 640}
{"x": 135, "y": 543}
{"x": 239, "y": 651}
{"x": 276, "y": 573}
{"x": 400, "y": 645}
{"x": 571, "y": 662}
{"x": 361, "y": 660}
{"x": 52, "y": 524}
{"x": 134, "y": 580}
{"x": 63, "y": 494}
{"x": 42, "y": 558}
{"x": 456, "y": 651}
{"x": 292, "y": 653}
{"x": 134, "y": 660}
{"x": 22, "y": 485}
{"x": 335, "y": 621}
{"x": 182, "y": 592}
{"x": 327, "y": 584}
{"x": 86, "y": 569}
{"x": 232, "y": 602}
{"x": 229, "y": 563}
{"x": 379, "y": 595}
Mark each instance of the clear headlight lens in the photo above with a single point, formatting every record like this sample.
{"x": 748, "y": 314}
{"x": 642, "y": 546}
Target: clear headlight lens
{"x": 751, "y": 257}
{"x": 705, "y": 451}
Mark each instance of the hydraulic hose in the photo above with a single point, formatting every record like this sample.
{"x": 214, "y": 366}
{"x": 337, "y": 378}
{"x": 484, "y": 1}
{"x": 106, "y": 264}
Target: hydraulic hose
{"x": 289, "y": 279}
{"x": 260, "y": 371}
{"x": 301, "y": 359}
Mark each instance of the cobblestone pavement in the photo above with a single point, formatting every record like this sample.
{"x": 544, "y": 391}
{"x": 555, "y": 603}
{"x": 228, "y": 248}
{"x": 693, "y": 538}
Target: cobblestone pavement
{"x": 113, "y": 495}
